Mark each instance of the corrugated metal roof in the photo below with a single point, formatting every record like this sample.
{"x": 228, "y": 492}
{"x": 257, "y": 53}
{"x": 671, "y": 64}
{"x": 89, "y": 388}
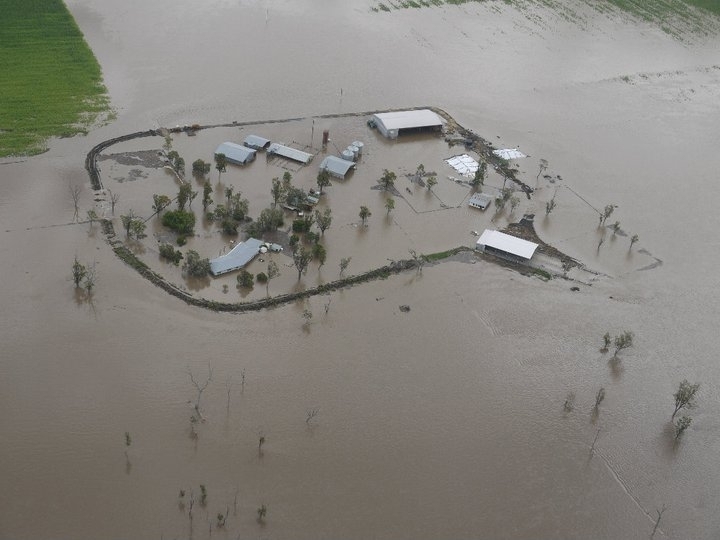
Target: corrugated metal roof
{"x": 509, "y": 244}
{"x": 480, "y": 200}
{"x": 236, "y": 153}
{"x": 290, "y": 153}
{"x": 337, "y": 166}
{"x": 236, "y": 258}
{"x": 256, "y": 142}
{"x": 409, "y": 119}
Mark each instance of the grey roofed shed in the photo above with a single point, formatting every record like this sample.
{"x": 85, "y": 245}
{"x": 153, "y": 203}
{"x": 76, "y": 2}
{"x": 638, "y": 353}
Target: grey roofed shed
{"x": 236, "y": 258}
{"x": 256, "y": 142}
{"x": 290, "y": 153}
{"x": 336, "y": 166}
{"x": 392, "y": 124}
{"x": 236, "y": 153}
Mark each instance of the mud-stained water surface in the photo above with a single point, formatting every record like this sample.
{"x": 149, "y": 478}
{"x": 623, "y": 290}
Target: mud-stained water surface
{"x": 444, "y": 420}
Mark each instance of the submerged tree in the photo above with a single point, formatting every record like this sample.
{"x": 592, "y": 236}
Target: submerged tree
{"x": 606, "y": 213}
{"x": 301, "y": 260}
{"x": 623, "y": 341}
{"x": 323, "y": 219}
{"x": 160, "y": 203}
{"x": 479, "y": 177}
{"x": 550, "y": 206}
{"x": 344, "y": 263}
{"x": 220, "y": 164}
{"x": 114, "y": 198}
{"x": 389, "y": 205}
{"x": 200, "y": 168}
{"x": 364, "y": 214}
{"x": 195, "y": 266}
{"x": 633, "y": 239}
{"x": 272, "y": 272}
{"x": 541, "y": 169}
{"x": 323, "y": 179}
{"x": 75, "y": 190}
{"x": 207, "y": 191}
{"x": 388, "y": 179}
{"x": 276, "y": 191}
{"x": 319, "y": 253}
{"x": 685, "y": 396}
{"x": 79, "y": 271}
{"x": 431, "y": 182}
{"x": 681, "y": 425}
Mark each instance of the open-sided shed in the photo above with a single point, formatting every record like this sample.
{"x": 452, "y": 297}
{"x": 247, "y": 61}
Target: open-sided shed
{"x": 290, "y": 153}
{"x": 505, "y": 245}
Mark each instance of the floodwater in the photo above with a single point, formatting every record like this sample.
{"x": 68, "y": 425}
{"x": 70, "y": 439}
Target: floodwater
{"x": 442, "y": 422}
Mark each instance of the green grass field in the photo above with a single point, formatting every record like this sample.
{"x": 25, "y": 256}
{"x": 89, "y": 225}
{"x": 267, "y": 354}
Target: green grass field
{"x": 51, "y": 84}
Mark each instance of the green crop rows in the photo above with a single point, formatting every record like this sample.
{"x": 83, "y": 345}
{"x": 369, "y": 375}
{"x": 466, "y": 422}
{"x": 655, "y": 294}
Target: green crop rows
{"x": 51, "y": 84}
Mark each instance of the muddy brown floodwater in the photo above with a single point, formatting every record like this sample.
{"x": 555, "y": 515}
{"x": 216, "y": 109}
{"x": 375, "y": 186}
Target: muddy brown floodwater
{"x": 445, "y": 421}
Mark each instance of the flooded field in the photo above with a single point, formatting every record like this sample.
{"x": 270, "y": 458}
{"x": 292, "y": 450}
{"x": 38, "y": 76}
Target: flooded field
{"x": 444, "y": 421}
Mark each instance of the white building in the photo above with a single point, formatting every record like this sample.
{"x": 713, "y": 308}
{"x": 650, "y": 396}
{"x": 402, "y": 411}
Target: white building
{"x": 394, "y": 124}
{"x": 506, "y": 246}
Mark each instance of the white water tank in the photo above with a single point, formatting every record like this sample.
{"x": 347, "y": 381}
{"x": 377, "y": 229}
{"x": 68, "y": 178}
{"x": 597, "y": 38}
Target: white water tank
{"x": 347, "y": 155}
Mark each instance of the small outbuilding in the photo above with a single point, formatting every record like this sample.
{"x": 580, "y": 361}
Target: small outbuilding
{"x": 394, "y": 124}
{"x": 237, "y": 258}
{"x": 480, "y": 201}
{"x": 236, "y": 153}
{"x": 256, "y": 142}
{"x": 337, "y": 167}
{"x": 506, "y": 246}
{"x": 289, "y": 153}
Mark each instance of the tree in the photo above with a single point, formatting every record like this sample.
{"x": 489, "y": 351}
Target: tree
{"x": 272, "y": 272}
{"x": 261, "y": 513}
{"x": 228, "y": 195}
{"x": 220, "y": 164}
{"x": 388, "y": 179}
{"x": 301, "y": 260}
{"x": 615, "y": 227}
{"x": 160, "y": 203}
{"x": 92, "y": 216}
{"x": 277, "y": 191}
{"x": 479, "y": 177}
{"x": 180, "y": 221}
{"x": 286, "y": 181}
{"x": 634, "y": 238}
{"x": 195, "y": 266}
{"x": 599, "y": 397}
{"x": 245, "y": 279}
{"x": 323, "y": 220}
{"x": 127, "y": 220}
{"x": 184, "y": 194}
{"x": 514, "y": 201}
{"x": 319, "y": 253}
{"x": 550, "y": 206}
{"x": 114, "y": 198}
{"x": 207, "y": 191}
{"x": 419, "y": 172}
{"x": 323, "y": 179}
{"x": 623, "y": 341}
{"x": 606, "y": 213}
{"x": 307, "y": 316}
{"x": 75, "y": 191}
{"x": 238, "y": 207}
{"x": 89, "y": 281}
{"x": 79, "y": 271}
{"x": 137, "y": 228}
{"x": 681, "y": 425}
{"x": 389, "y": 205}
{"x": 606, "y": 342}
{"x": 364, "y": 214}
{"x": 541, "y": 169}
{"x": 431, "y": 182}
{"x": 344, "y": 263}
{"x": 685, "y": 396}
{"x": 419, "y": 260}
{"x": 170, "y": 253}
{"x": 200, "y": 168}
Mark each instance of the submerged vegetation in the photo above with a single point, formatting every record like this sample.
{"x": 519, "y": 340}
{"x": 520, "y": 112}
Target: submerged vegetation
{"x": 51, "y": 82}
{"x": 673, "y": 16}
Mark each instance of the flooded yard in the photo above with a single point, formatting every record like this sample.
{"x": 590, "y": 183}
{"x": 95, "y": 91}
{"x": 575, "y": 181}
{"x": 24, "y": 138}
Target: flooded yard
{"x": 444, "y": 420}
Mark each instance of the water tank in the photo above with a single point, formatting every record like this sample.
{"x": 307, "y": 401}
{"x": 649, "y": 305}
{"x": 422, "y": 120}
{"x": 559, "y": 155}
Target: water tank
{"x": 347, "y": 155}
{"x": 359, "y": 145}
{"x": 354, "y": 150}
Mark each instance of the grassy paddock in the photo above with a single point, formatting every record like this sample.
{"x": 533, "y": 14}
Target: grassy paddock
{"x": 51, "y": 83}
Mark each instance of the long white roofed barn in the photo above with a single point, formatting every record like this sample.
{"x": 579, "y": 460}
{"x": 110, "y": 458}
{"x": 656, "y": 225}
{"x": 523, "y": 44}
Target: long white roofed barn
{"x": 396, "y": 123}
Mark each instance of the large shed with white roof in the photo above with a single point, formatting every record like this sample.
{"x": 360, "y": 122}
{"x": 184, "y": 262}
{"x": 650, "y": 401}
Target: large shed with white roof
{"x": 506, "y": 246}
{"x": 396, "y": 123}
